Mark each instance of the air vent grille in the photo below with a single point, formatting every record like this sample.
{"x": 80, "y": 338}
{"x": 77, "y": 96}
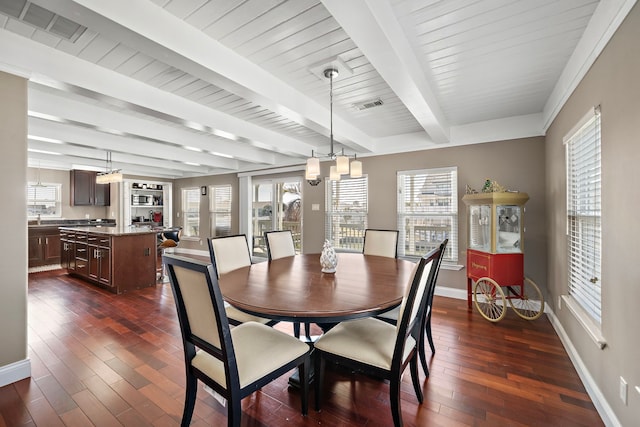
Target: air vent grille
{"x": 369, "y": 104}
{"x": 42, "y": 18}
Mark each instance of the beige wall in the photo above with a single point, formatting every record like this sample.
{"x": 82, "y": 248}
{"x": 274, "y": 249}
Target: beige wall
{"x": 72, "y": 212}
{"x": 13, "y": 262}
{"x": 517, "y": 164}
{"x": 614, "y": 83}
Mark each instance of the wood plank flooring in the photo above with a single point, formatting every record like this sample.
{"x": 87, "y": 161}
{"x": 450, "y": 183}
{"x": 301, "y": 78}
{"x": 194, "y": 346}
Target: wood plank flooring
{"x": 108, "y": 360}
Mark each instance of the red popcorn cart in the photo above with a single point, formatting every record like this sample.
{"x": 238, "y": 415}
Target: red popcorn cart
{"x": 495, "y": 256}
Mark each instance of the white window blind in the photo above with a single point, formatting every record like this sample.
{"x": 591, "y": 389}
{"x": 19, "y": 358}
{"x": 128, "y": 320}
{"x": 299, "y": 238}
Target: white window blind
{"x": 220, "y": 210}
{"x": 191, "y": 211}
{"x": 584, "y": 214}
{"x": 428, "y": 211}
{"x": 44, "y": 200}
{"x": 346, "y": 212}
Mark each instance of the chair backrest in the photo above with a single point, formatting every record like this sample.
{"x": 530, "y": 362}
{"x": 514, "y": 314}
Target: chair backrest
{"x": 201, "y": 313}
{"x": 429, "y": 297}
{"x": 279, "y": 244}
{"x": 381, "y": 243}
{"x": 413, "y": 302}
{"x": 229, "y": 253}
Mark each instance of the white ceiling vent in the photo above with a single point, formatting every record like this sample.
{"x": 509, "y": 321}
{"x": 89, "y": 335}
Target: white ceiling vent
{"x": 41, "y": 18}
{"x": 372, "y": 103}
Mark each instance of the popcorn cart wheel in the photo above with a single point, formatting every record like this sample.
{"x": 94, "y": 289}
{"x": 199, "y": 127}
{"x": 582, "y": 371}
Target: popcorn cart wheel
{"x": 491, "y": 299}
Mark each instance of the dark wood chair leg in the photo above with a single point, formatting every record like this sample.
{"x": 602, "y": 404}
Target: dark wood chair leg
{"x": 189, "y": 400}
{"x": 234, "y": 413}
{"x": 296, "y": 329}
{"x": 307, "y": 330}
{"x": 303, "y": 373}
{"x": 318, "y": 378}
{"x": 429, "y": 337}
{"x": 394, "y": 395}
{"x": 415, "y": 378}
{"x": 422, "y": 354}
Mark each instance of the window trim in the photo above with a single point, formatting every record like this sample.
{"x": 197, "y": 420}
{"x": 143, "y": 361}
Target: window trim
{"x": 183, "y": 210}
{"x": 590, "y": 321}
{"x": 329, "y": 211}
{"x": 214, "y": 211}
{"x": 58, "y": 200}
{"x": 401, "y": 214}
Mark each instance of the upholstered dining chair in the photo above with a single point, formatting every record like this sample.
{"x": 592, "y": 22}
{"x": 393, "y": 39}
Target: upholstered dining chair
{"x": 233, "y": 362}
{"x": 230, "y": 253}
{"x": 378, "y": 348}
{"x": 380, "y": 243}
{"x": 280, "y": 245}
{"x": 392, "y": 315}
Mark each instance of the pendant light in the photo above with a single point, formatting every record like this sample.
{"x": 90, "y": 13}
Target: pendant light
{"x": 342, "y": 166}
{"x": 109, "y": 175}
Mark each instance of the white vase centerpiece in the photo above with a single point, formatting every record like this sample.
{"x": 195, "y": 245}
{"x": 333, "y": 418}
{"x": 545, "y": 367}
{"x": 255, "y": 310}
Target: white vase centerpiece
{"x": 328, "y": 258}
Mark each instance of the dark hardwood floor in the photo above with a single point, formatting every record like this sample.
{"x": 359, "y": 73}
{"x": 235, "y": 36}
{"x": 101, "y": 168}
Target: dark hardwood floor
{"x": 108, "y": 360}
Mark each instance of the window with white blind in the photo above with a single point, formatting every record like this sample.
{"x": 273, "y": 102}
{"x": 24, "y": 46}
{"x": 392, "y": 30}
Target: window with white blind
{"x": 584, "y": 213}
{"x": 44, "y": 200}
{"x": 220, "y": 210}
{"x": 191, "y": 212}
{"x": 346, "y": 213}
{"x": 428, "y": 211}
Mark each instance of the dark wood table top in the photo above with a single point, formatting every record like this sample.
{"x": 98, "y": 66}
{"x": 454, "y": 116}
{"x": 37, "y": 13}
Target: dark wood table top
{"x": 295, "y": 289}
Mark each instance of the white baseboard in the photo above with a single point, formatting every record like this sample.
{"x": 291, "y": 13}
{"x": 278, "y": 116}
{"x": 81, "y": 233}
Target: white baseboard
{"x": 599, "y": 401}
{"x": 445, "y": 291}
{"x": 15, "y": 371}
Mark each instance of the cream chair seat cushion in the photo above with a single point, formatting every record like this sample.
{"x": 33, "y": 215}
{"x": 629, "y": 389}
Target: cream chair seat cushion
{"x": 242, "y": 317}
{"x": 259, "y": 350}
{"x": 368, "y": 340}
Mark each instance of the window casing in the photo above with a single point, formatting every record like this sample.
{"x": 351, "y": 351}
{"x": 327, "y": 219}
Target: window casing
{"x": 428, "y": 211}
{"x": 220, "y": 210}
{"x": 191, "y": 212}
{"x": 346, "y": 213}
{"x": 584, "y": 214}
{"x": 44, "y": 199}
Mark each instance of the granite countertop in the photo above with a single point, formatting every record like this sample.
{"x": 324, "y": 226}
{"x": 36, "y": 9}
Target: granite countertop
{"x": 55, "y": 223}
{"x": 111, "y": 231}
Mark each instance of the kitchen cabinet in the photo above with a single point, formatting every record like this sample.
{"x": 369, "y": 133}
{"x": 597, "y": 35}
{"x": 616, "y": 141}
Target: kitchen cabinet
{"x": 85, "y": 191}
{"x": 67, "y": 250}
{"x": 44, "y": 246}
{"x": 119, "y": 259}
{"x": 99, "y": 258}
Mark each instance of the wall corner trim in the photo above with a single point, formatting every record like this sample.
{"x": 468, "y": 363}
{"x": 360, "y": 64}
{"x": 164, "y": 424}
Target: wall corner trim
{"x": 15, "y": 371}
{"x": 602, "y": 406}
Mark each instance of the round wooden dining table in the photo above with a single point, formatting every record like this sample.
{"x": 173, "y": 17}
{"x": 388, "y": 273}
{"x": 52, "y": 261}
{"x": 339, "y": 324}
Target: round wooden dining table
{"x": 295, "y": 289}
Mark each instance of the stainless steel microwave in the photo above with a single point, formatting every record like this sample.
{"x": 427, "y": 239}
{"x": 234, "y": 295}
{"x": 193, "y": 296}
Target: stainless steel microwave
{"x": 141, "y": 200}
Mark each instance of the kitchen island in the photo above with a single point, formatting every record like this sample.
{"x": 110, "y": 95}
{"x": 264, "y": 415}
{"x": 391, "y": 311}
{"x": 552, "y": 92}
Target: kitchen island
{"x": 119, "y": 259}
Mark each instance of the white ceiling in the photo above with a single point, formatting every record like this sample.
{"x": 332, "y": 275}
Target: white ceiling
{"x": 179, "y": 88}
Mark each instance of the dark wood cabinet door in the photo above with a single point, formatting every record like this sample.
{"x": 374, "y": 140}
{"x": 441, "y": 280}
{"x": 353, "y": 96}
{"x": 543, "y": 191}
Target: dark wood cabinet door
{"x": 83, "y": 187}
{"x": 36, "y": 255}
{"x": 104, "y": 275}
{"x": 52, "y": 248}
{"x": 103, "y": 195}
